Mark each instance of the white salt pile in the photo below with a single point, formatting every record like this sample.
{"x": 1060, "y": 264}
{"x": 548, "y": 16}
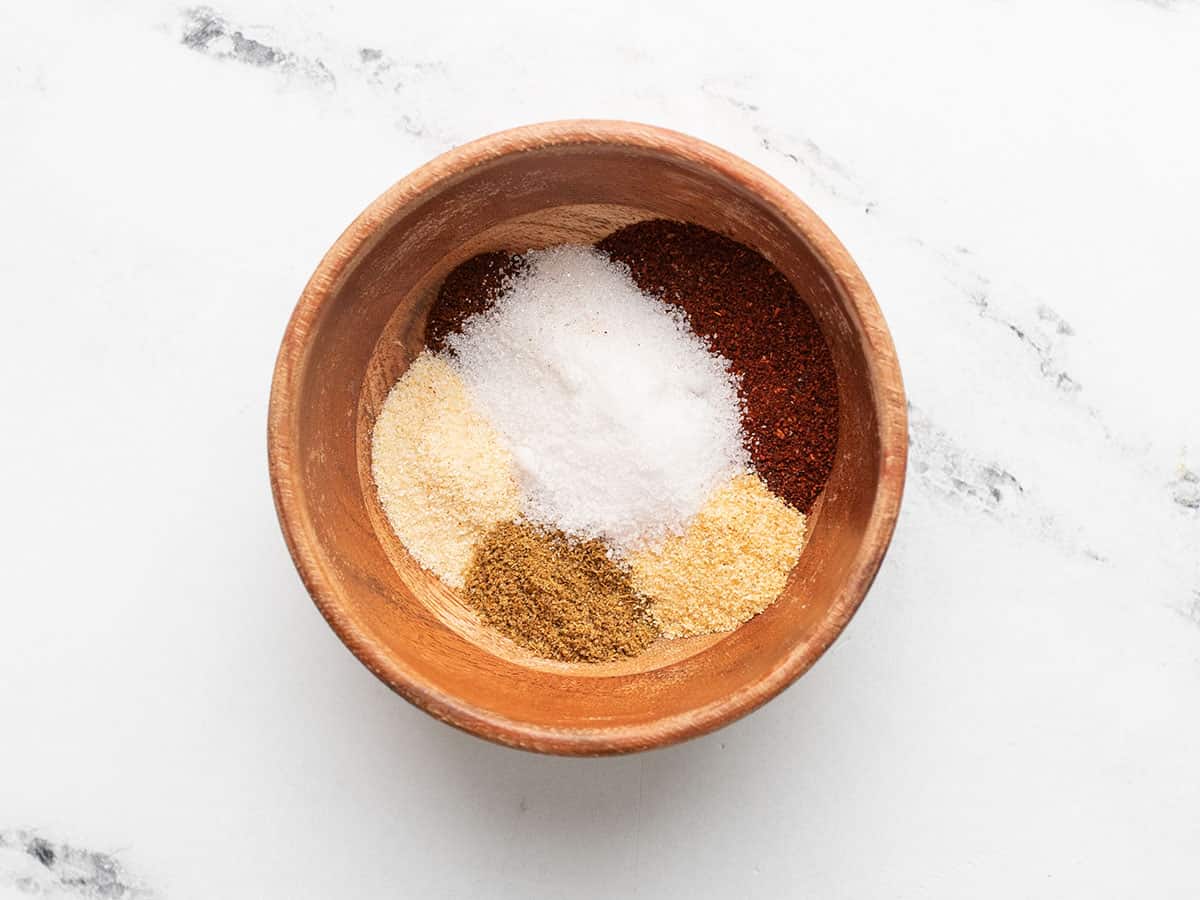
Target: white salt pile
{"x": 620, "y": 420}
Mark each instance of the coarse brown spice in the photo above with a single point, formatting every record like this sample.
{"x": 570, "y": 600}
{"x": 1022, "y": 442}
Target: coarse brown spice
{"x": 469, "y": 289}
{"x": 560, "y": 597}
{"x": 748, "y": 312}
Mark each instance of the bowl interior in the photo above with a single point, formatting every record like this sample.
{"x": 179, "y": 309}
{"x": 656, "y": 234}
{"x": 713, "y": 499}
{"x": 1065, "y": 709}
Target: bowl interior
{"x": 361, "y": 323}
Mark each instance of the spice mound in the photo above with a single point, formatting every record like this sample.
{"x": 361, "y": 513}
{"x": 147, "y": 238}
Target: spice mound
{"x": 602, "y": 447}
{"x": 620, "y": 419}
{"x": 443, "y": 476}
{"x": 558, "y": 596}
{"x": 747, "y": 311}
{"x": 469, "y": 289}
{"x": 728, "y": 566}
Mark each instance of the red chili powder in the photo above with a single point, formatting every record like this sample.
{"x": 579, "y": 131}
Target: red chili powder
{"x": 471, "y": 288}
{"x": 749, "y": 313}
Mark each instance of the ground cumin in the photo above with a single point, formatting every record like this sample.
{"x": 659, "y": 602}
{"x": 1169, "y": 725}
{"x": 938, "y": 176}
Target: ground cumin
{"x": 560, "y": 597}
{"x": 750, "y": 314}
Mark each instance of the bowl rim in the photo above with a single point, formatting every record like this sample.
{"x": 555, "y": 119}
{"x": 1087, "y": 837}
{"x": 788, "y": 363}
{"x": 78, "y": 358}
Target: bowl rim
{"x": 883, "y": 372}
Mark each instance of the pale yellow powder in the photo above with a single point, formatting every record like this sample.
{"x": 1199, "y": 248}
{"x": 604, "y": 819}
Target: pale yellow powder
{"x": 729, "y": 565}
{"x": 444, "y": 477}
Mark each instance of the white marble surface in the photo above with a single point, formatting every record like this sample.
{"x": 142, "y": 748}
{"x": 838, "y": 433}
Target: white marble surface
{"x": 1015, "y": 712}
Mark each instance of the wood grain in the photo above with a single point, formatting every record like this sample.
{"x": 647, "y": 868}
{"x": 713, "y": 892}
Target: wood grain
{"x": 360, "y": 322}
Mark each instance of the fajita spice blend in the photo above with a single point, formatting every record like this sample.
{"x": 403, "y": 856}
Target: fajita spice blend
{"x": 605, "y": 446}
{"x": 751, "y": 315}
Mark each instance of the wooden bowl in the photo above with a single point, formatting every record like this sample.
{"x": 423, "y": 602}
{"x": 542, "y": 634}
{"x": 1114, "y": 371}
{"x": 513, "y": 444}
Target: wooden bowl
{"x": 360, "y": 322}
